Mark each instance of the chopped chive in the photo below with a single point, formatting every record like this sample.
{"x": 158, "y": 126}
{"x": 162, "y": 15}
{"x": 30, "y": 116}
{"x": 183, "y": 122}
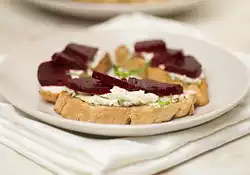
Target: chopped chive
{"x": 121, "y": 101}
{"x": 164, "y": 103}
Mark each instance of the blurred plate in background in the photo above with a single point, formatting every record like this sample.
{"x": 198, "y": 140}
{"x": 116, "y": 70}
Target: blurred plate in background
{"x": 104, "y": 10}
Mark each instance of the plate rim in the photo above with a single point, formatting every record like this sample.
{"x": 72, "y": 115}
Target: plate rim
{"x": 111, "y": 9}
{"x": 205, "y": 117}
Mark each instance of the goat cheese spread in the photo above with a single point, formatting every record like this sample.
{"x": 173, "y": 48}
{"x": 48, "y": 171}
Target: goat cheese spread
{"x": 186, "y": 79}
{"x": 147, "y": 56}
{"x": 75, "y": 73}
{"x": 55, "y": 89}
{"x": 120, "y": 97}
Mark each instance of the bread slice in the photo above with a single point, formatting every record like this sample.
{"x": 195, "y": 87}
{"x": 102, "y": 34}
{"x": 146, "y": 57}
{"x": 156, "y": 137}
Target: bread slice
{"x": 129, "y": 61}
{"x": 75, "y": 109}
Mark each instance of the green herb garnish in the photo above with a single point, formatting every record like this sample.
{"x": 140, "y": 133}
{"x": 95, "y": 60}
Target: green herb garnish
{"x": 121, "y": 101}
{"x": 125, "y": 74}
{"x": 164, "y": 103}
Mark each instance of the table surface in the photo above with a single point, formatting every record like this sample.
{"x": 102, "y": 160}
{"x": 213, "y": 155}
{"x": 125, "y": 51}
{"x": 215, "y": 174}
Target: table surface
{"x": 228, "y": 21}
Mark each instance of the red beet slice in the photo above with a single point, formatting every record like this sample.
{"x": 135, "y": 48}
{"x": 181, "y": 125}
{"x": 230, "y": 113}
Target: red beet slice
{"x": 160, "y": 58}
{"x": 50, "y": 74}
{"x": 75, "y": 56}
{"x": 69, "y": 61}
{"x": 175, "y": 61}
{"x": 150, "y": 46}
{"x": 158, "y": 88}
{"x": 82, "y": 51}
{"x": 176, "y": 54}
{"x": 106, "y": 79}
{"x": 134, "y": 84}
{"x": 89, "y": 85}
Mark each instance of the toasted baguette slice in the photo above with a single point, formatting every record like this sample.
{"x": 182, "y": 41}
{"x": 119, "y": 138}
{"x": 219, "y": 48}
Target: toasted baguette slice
{"x": 75, "y": 109}
{"x": 126, "y": 60}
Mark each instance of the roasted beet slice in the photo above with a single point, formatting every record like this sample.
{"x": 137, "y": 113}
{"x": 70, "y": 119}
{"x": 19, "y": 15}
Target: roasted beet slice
{"x": 172, "y": 55}
{"x": 134, "y": 84}
{"x": 158, "y": 88}
{"x": 189, "y": 67}
{"x": 64, "y": 59}
{"x": 50, "y": 74}
{"x": 106, "y": 79}
{"x": 175, "y": 61}
{"x": 75, "y": 56}
{"x": 82, "y": 51}
{"x": 150, "y": 46}
{"x": 160, "y": 58}
{"x": 176, "y": 54}
{"x": 89, "y": 85}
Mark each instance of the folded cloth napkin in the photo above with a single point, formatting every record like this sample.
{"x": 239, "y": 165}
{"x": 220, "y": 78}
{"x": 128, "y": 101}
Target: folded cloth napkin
{"x": 67, "y": 153}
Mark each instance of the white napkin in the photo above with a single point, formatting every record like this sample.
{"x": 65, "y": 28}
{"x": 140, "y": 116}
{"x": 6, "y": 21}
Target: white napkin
{"x": 66, "y": 153}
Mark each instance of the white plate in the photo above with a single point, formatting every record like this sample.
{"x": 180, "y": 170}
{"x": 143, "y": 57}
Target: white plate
{"x": 226, "y": 75}
{"x": 104, "y": 10}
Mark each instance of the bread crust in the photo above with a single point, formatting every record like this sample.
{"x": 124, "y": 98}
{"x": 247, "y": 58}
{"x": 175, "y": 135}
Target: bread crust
{"x": 157, "y": 74}
{"x": 105, "y": 64}
{"x": 201, "y": 92}
{"x": 49, "y": 96}
{"x": 122, "y": 55}
{"x": 136, "y": 63}
{"x": 75, "y": 109}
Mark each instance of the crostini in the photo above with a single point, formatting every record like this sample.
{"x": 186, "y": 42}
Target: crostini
{"x": 165, "y": 65}
{"x": 109, "y": 100}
